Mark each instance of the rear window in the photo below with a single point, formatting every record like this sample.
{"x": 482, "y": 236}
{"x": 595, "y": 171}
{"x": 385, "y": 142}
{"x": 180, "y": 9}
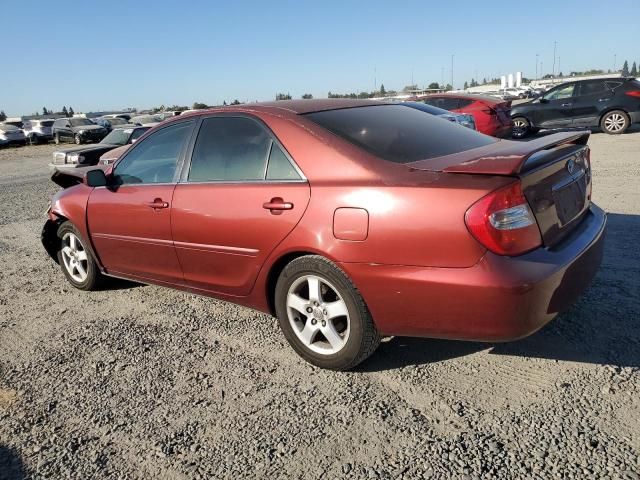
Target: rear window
{"x": 398, "y": 133}
{"x": 46, "y": 123}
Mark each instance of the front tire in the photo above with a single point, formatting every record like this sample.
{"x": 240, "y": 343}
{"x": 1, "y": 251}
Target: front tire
{"x": 521, "y": 127}
{"x": 615, "y": 122}
{"x": 76, "y": 260}
{"x": 323, "y": 316}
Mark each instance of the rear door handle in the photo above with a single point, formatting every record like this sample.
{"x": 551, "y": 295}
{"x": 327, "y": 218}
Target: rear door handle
{"x": 567, "y": 104}
{"x": 604, "y": 99}
{"x": 158, "y": 203}
{"x": 276, "y": 205}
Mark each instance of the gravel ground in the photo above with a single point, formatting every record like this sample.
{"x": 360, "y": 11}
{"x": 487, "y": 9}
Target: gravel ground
{"x": 145, "y": 382}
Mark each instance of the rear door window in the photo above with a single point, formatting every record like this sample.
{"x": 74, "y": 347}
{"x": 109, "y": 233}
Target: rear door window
{"x": 592, "y": 88}
{"x": 399, "y": 133}
{"x": 230, "y": 149}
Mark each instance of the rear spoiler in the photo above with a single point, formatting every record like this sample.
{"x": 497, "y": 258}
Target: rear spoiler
{"x": 503, "y": 158}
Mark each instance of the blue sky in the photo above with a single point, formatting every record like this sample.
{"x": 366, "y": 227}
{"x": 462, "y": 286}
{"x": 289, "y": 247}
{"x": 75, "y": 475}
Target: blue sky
{"x": 115, "y": 54}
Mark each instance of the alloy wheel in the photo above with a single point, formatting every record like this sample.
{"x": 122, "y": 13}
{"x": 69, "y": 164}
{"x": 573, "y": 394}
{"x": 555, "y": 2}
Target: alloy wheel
{"x": 615, "y": 122}
{"x": 520, "y": 126}
{"x": 74, "y": 257}
{"x": 318, "y": 314}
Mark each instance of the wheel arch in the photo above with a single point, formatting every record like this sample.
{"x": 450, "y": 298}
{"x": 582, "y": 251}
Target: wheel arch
{"x": 274, "y": 272}
{"x": 49, "y": 236}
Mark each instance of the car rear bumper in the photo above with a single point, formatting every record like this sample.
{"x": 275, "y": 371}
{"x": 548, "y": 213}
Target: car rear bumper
{"x": 498, "y": 299}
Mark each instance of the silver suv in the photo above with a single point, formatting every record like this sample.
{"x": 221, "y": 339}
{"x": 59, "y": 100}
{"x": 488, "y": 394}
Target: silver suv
{"x": 38, "y": 131}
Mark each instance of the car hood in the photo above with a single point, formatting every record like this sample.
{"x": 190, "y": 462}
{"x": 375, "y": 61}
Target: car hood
{"x": 87, "y": 148}
{"x": 112, "y": 155}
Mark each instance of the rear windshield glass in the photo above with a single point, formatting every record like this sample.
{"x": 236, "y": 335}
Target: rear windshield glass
{"x": 79, "y": 122}
{"x": 398, "y": 133}
{"x": 8, "y": 128}
{"x": 46, "y": 123}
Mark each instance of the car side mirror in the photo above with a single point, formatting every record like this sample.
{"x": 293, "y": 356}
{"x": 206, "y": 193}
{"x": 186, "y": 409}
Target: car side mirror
{"x": 95, "y": 178}
{"x": 543, "y": 100}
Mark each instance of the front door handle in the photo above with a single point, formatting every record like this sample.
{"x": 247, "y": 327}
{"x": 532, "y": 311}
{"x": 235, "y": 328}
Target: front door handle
{"x": 604, "y": 99}
{"x": 277, "y": 205}
{"x": 567, "y": 104}
{"x": 158, "y": 203}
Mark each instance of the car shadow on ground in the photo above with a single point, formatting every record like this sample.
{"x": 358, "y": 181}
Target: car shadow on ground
{"x": 11, "y": 466}
{"x": 602, "y": 328}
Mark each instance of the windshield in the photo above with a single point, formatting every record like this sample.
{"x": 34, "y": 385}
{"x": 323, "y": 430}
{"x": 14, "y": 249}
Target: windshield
{"x": 146, "y": 119}
{"x": 79, "y": 122}
{"x": 398, "y": 133}
{"x": 118, "y": 137}
{"x": 8, "y": 128}
{"x": 46, "y": 123}
{"x": 116, "y": 121}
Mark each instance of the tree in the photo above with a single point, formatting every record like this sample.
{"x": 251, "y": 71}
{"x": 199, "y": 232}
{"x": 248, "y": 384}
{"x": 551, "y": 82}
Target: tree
{"x": 45, "y": 111}
{"x": 283, "y": 96}
{"x": 466, "y": 85}
{"x": 625, "y": 69}
{"x": 382, "y": 90}
{"x": 64, "y": 111}
{"x": 307, "y": 96}
{"x": 448, "y": 87}
{"x": 634, "y": 70}
{"x": 71, "y": 112}
{"x": 408, "y": 88}
{"x": 433, "y": 86}
{"x": 224, "y": 103}
{"x": 199, "y": 106}
{"x": 3, "y": 116}
{"x": 235, "y": 102}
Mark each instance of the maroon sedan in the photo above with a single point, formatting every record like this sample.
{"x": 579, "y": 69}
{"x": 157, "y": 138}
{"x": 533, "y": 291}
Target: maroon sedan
{"x": 492, "y": 115}
{"x": 349, "y": 220}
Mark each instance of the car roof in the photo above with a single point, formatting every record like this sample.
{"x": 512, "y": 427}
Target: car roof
{"x": 469, "y": 96}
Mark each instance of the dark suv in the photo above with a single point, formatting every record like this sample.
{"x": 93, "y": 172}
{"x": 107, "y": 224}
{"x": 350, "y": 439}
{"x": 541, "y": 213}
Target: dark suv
{"x": 78, "y": 130}
{"x": 610, "y": 103}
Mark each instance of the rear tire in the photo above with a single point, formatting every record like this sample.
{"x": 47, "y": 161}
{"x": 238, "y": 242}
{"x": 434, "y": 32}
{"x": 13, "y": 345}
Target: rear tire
{"x": 615, "y": 122}
{"x": 76, "y": 260}
{"x": 323, "y": 316}
{"x": 521, "y": 127}
{"x": 33, "y": 140}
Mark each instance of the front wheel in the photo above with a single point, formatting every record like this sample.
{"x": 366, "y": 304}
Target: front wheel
{"x": 615, "y": 122}
{"x": 323, "y": 316}
{"x": 77, "y": 139}
{"x": 33, "y": 140}
{"x": 76, "y": 261}
{"x": 521, "y": 127}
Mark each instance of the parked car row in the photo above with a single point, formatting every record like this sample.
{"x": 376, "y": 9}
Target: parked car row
{"x": 78, "y": 129}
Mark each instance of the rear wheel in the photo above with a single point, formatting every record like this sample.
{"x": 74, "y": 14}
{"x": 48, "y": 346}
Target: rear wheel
{"x": 615, "y": 122}
{"x": 76, "y": 261}
{"x": 77, "y": 139}
{"x": 322, "y": 314}
{"x": 33, "y": 140}
{"x": 521, "y": 127}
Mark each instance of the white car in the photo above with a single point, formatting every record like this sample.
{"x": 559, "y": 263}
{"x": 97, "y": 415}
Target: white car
{"x": 11, "y": 135}
{"x": 38, "y": 131}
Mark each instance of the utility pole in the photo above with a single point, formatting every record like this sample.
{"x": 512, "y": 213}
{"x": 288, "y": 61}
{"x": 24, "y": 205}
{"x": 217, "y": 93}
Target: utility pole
{"x": 614, "y": 61}
{"x": 559, "y": 69}
{"x": 375, "y": 80}
{"x": 442, "y": 77}
{"x": 536, "y": 67}
{"x": 553, "y": 69}
{"x": 451, "y": 71}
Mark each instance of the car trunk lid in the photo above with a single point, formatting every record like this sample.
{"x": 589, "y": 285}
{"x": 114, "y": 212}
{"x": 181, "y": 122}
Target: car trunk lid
{"x": 554, "y": 171}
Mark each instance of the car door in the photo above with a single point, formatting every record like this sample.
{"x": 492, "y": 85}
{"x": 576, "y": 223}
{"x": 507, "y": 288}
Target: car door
{"x": 130, "y": 219}
{"x": 592, "y": 97}
{"x": 238, "y": 198}
{"x": 555, "y": 108}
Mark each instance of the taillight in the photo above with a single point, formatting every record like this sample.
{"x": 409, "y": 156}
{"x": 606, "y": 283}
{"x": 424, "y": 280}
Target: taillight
{"x": 503, "y": 222}
{"x": 633, "y": 93}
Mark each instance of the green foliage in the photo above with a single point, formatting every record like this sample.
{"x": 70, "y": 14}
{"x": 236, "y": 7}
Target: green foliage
{"x": 45, "y": 111}
{"x": 625, "y": 69}
{"x": 71, "y": 112}
{"x": 634, "y": 70}
{"x": 382, "y": 90}
{"x": 235, "y": 102}
{"x": 64, "y": 111}
{"x": 433, "y": 85}
{"x": 283, "y": 96}
{"x": 448, "y": 87}
{"x": 466, "y": 85}
{"x": 307, "y": 96}
{"x": 199, "y": 106}
{"x": 3, "y": 116}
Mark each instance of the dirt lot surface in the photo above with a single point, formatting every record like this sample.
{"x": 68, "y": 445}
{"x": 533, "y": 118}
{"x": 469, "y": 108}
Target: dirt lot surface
{"x": 145, "y": 382}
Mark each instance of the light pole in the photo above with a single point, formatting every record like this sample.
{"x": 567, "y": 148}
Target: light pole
{"x": 451, "y": 71}
{"x": 553, "y": 69}
{"x": 536, "y": 67}
{"x": 614, "y": 62}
